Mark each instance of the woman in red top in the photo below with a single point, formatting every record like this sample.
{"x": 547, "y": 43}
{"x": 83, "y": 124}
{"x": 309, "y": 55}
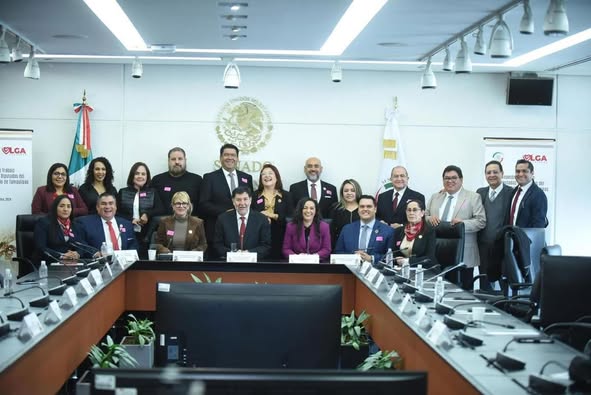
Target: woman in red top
{"x": 58, "y": 183}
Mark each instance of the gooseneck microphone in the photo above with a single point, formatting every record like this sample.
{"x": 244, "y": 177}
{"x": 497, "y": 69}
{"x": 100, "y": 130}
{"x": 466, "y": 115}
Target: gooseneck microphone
{"x": 41, "y": 301}
{"x": 73, "y": 278}
{"x": 443, "y": 273}
{"x": 19, "y": 314}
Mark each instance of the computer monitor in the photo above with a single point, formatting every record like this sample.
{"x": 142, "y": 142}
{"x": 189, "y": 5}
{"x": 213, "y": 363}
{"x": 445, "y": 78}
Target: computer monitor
{"x": 259, "y": 382}
{"x": 565, "y": 289}
{"x": 248, "y": 325}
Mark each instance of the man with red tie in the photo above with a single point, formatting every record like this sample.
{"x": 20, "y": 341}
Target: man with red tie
{"x": 105, "y": 226}
{"x": 529, "y": 204}
{"x": 392, "y": 203}
{"x": 249, "y": 230}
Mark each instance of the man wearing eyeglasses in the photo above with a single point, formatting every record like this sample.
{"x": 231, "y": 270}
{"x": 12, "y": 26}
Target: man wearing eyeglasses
{"x": 392, "y": 203}
{"x": 455, "y": 204}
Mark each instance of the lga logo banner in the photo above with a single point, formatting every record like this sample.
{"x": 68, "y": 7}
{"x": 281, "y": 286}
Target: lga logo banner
{"x": 541, "y": 153}
{"x": 16, "y": 180}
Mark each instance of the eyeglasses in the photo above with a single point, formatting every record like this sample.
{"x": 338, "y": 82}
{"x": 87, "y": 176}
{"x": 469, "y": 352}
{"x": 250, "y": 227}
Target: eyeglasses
{"x": 59, "y": 174}
{"x": 181, "y": 204}
{"x": 454, "y": 178}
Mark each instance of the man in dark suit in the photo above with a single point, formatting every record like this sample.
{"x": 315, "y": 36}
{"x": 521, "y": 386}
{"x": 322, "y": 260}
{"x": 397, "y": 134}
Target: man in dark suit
{"x": 496, "y": 199}
{"x": 176, "y": 179}
{"x": 529, "y": 204}
{"x": 368, "y": 238}
{"x": 105, "y": 226}
{"x": 248, "y": 229}
{"x": 217, "y": 187}
{"x": 324, "y": 193}
{"x": 392, "y": 203}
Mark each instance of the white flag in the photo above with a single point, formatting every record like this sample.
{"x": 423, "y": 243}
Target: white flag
{"x": 393, "y": 154}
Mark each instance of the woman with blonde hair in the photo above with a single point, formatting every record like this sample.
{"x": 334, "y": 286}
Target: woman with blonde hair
{"x": 181, "y": 231}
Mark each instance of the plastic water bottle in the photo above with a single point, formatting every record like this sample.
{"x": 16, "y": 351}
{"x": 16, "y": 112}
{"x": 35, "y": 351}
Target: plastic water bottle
{"x": 439, "y": 290}
{"x": 406, "y": 269}
{"x": 389, "y": 258}
{"x": 419, "y": 277}
{"x": 7, "y": 282}
{"x": 43, "y": 275}
{"x": 104, "y": 249}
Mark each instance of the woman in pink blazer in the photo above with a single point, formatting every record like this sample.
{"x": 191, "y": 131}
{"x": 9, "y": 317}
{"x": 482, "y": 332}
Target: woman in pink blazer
{"x": 307, "y": 233}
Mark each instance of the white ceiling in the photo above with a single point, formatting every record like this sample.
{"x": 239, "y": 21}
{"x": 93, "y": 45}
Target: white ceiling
{"x": 413, "y": 28}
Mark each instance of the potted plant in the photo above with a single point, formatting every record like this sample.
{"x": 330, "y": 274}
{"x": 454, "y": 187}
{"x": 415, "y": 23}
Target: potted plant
{"x": 108, "y": 355}
{"x": 207, "y": 279}
{"x": 139, "y": 341}
{"x": 381, "y": 360}
{"x": 354, "y": 339}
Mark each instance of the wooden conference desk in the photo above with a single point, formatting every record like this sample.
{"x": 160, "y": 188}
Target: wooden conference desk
{"x": 46, "y": 365}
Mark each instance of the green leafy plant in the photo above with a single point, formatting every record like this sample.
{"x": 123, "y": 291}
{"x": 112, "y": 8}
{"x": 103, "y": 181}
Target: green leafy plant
{"x": 140, "y": 330}
{"x": 353, "y": 331}
{"x": 207, "y": 279}
{"x": 110, "y": 355}
{"x": 381, "y": 360}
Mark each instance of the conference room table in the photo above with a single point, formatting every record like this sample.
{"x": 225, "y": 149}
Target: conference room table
{"x": 42, "y": 364}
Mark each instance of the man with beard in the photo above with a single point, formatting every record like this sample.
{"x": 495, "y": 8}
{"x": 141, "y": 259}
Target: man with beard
{"x": 176, "y": 179}
{"x": 324, "y": 193}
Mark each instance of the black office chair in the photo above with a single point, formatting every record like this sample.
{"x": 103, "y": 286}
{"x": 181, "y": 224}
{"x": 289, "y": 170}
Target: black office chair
{"x": 515, "y": 272}
{"x": 449, "y": 247}
{"x": 565, "y": 289}
{"x": 25, "y": 240}
{"x": 537, "y": 237}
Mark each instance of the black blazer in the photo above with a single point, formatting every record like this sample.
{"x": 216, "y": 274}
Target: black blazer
{"x": 216, "y": 197}
{"x": 328, "y": 195}
{"x": 532, "y": 209}
{"x": 48, "y": 239}
{"x": 423, "y": 247}
{"x": 256, "y": 239}
{"x": 389, "y": 216}
{"x": 283, "y": 208}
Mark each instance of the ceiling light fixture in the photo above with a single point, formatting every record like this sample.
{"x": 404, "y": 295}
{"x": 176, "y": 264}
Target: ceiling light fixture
{"x": 231, "y": 76}
{"x": 480, "y": 46}
{"x": 448, "y": 64}
{"x": 463, "y": 62}
{"x": 353, "y": 21}
{"x": 137, "y": 69}
{"x": 32, "y": 70}
{"x": 17, "y": 53}
{"x": 428, "y": 80}
{"x": 4, "y": 50}
{"x": 336, "y": 73}
{"x": 113, "y": 16}
{"x": 526, "y": 26}
{"x": 501, "y": 41}
{"x": 556, "y": 20}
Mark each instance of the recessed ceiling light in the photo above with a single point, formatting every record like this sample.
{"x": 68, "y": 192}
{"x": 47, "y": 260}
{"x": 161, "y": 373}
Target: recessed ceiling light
{"x": 235, "y": 37}
{"x": 392, "y": 44}
{"x": 234, "y": 17}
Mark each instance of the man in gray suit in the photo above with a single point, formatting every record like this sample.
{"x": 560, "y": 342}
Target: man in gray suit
{"x": 496, "y": 199}
{"x": 454, "y": 204}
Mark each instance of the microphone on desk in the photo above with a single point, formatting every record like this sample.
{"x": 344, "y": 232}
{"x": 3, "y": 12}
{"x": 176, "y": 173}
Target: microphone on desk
{"x": 73, "y": 278}
{"x": 19, "y": 314}
{"x": 443, "y": 273}
{"x": 4, "y": 327}
{"x": 41, "y": 301}
{"x": 546, "y": 384}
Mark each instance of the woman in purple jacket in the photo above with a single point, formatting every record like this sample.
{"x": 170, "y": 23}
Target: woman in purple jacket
{"x": 307, "y": 233}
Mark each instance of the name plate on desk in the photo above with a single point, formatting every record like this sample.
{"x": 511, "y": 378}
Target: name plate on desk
{"x": 69, "y": 299}
{"x": 187, "y": 256}
{"x": 30, "y": 327}
{"x": 406, "y": 303}
{"x": 372, "y": 274}
{"x": 248, "y": 257}
{"x": 365, "y": 268}
{"x": 345, "y": 259}
{"x": 126, "y": 257}
{"x": 96, "y": 277}
{"x": 84, "y": 288}
{"x": 54, "y": 313}
{"x": 393, "y": 293}
{"x": 380, "y": 281}
{"x": 304, "y": 258}
{"x": 108, "y": 272}
{"x": 438, "y": 333}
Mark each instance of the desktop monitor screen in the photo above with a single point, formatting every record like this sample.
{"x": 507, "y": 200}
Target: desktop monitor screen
{"x": 259, "y": 382}
{"x": 248, "y": 325}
